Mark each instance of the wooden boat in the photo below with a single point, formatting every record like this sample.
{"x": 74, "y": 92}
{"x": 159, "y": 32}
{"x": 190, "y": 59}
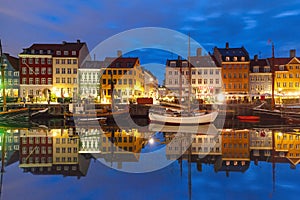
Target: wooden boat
{"x": 248, "y": 117}
{"x": 15, "y": 114}
{"x": 195, "y": 129}
{"x": 181, "y": 119}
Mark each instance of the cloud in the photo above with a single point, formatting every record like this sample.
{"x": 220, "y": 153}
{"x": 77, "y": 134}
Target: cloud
{"x": 250, "y": 23}
{"x": 287, "y": 14}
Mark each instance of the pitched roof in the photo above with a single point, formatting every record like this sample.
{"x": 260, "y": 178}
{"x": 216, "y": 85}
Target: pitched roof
{"x": 13, "y": 61}
{"x": 202, "y": 61}
{"x": 64, "y": 46}
{"x": 233, "y": 52}
{"x": 259, "y": 62}
{"x": 121, "y": 62}
{"x": 279, "y": 62}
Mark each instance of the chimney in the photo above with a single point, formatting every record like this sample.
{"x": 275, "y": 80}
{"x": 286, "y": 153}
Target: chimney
{"x": 292, "y": 53}
{"x": 255, "y": 57}
{"x": 227, "y": 45}
{"x": 78, "y": 41}
{"x": 119, "y": 53}
{"x": 199, "y": 51}
{"x": 64, "y": 42}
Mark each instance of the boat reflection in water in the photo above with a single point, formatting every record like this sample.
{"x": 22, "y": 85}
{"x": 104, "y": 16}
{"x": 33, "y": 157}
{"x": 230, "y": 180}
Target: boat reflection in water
{"x": 68, "y": 151}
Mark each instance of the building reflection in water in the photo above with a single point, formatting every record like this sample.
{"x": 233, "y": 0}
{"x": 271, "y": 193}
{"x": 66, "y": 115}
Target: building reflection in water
{"x": 68, "y": 151}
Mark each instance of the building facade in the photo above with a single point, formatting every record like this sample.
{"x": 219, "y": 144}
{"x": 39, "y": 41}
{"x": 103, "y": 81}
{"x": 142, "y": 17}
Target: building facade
{"x": 260, "y": 78}
{"x": 127, "y": 77}
{"x": 11, "y": 76}
{"x": 47, "y": 69}
{"x": 235, "y": 65}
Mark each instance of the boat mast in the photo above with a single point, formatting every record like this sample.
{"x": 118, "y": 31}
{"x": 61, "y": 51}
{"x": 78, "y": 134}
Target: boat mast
{"x": 273, "y": 77}
{"x": 2, "y": 77}
{"x": 189, "y": 77}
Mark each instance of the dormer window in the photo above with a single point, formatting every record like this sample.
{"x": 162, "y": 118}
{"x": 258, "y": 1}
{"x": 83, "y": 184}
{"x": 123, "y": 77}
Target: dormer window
{"x": 41, "y": 51}
{"x": 73, "y": 53}
{"x": 267, "y": 69}
{"x": 184, "y": 64}
{"x": 256, "y": 69}
{"x": 58, "y": 53}
{"x": 172, "y": 63}
{"x": 32, "y": 51}
{"x": 227, "y": 58}
{"x": 66, "y": 53}
{"x": 48, "y": 51}
{"x": 281, "y": 67}
{"x": 242, "y": 58}
{"x": 234, "y": 58}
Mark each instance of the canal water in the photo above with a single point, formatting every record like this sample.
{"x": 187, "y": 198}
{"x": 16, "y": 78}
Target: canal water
{"x": 226, "y": 160}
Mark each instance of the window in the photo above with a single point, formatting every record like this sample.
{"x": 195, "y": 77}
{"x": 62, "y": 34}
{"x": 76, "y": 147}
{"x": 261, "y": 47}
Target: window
{"x": 36, "y": 61}
{"x": 57, "y": 61}
{"x": 30, "y": 80}
{"x": 69, "y": 80}
{"x": 23, "y": 60}
{"x": 30, "y": 60}
{"x": 256, "y": 69}
{"x": 57, "y": 71}
{"x": 43, "y": 71}
{"x": 30, "y": 70}
{"x": 69, "y": 70}
{"x": 42, "y": 61}
{"x": 37, "y": 70}
{"x": 63, "y": 61}
{"x": 66, "y": 53}
{"x": 227, "y": 58}
{"x": 69, "y": 61}
{"x": 74, "y": 71}
{"x": 58, "y": 52}
{"x": 23, "y": 80}
{"x": 63, "y": 80}
{"x": 49, "y": 61}
{"x": 63, "y": 70}
{"x": 43, "y": 80}
{"x": 57, "y": 80}
{"x": 73, "y": 53}
{"x": 74, "y": 80}
{"x": 49, "y": 81}
{"x": 37, "y": 81}
{"x": 49, "y": 70}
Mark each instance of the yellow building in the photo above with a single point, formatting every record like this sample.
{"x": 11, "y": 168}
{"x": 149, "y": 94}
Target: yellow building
{"x": 287, "y": 76}
{"x": 128, "y": 79}
{"x": 65, "y": 148}
{"x": 288, "y": 145}
{"x": 66, "y": 62}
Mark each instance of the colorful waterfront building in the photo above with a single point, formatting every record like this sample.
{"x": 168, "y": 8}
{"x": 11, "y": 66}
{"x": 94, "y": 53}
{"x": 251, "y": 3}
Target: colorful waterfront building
{"x": 287, "y": 77}
{"x": 47, "y": 69}
{"x": 260, "y": 78}
{"x": 11, "y": 76}
{"x": 235, "y": 63}
{"x": 128, "y": 79}
{"x": 206, "y": 79}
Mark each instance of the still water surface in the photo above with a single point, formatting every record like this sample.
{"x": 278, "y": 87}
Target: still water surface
{"x": 239, "y": 161}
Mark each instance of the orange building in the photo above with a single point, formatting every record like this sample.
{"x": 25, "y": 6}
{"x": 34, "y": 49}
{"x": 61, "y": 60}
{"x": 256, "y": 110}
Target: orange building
{"x": 235, "y": 65}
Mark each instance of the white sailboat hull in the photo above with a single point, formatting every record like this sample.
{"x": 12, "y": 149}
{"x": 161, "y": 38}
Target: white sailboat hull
{"x": 199, "y": 119}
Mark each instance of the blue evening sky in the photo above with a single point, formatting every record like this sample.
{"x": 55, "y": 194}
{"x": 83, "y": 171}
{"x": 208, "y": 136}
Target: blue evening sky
{"x": 248, "y": 23}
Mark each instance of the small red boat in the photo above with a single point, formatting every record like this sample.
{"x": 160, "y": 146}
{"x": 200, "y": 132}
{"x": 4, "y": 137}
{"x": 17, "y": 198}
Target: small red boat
{"x": 248, "y": 117}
